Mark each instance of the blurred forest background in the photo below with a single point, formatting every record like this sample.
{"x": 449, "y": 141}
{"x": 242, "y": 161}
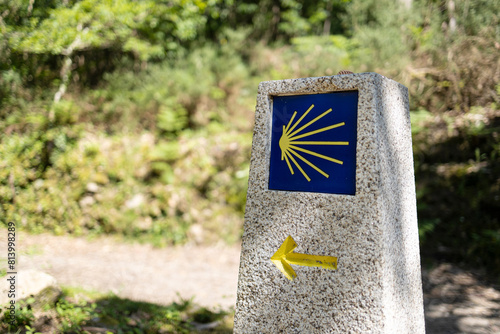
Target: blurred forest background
{"x": 134, "y": 118}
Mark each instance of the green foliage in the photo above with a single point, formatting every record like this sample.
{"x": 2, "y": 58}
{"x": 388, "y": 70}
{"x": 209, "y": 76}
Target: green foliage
{"x": 24, "y": 316}
{"x": 189, "y": 92}
{"x": 64, "y": 180}
{"x": 52, "y": 43}
{"x": 77, "y": 310}
{"x": 111, "y": 188}
{"x": 147, "y": 28}
{"x": 73, "y": 316}
{"x": 419, "y": 120}
{"x": 134, "y": 118}
{"x": 457, "y": 159}
{"x": 323, "y": 54}
{"x": 279, "y": 20}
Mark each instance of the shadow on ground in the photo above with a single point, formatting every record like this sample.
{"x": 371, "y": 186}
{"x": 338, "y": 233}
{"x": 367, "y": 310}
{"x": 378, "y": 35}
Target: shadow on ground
{"x": 457, "y": 301}
{"x": 80, "y": 313}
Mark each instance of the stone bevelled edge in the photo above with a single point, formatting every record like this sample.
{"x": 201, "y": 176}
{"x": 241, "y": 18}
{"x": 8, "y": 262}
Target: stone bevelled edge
{"x": 402, "y": 288}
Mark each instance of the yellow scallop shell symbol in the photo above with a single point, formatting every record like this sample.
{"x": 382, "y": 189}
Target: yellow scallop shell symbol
{"x": 289, "y": 143}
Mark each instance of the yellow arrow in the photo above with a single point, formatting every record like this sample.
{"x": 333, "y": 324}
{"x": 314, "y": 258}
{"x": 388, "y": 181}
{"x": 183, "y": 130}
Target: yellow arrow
{"x": 284, "y": 256}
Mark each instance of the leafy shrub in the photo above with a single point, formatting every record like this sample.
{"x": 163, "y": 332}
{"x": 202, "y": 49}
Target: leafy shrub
{"x": 188, "y": 168}
{"x": 129, "y": 186}
{"x": 24, "y": 316}
{"x": 188, "y": 92}
{"x": 73, "y": 316}
{"x": 457, "y": 159}
{"x": 80, "y": 311}
{"x": 152, "y": 136}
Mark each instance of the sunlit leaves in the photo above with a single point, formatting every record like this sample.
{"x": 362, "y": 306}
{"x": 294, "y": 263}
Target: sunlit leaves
{"x": 144, "y": 28}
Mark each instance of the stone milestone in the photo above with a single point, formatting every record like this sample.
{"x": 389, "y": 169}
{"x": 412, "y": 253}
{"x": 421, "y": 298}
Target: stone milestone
{"x": 330, "y": 241}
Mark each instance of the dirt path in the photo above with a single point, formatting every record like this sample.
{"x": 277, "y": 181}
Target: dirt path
{"x": 456, "y": 301}
{"x": 139, "y": 272}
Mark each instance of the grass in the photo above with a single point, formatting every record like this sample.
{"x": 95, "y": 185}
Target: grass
{"x": 81, "y": 311}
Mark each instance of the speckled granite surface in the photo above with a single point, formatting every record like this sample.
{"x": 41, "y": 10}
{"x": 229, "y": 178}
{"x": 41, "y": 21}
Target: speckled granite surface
{"x": 377, "y": 286}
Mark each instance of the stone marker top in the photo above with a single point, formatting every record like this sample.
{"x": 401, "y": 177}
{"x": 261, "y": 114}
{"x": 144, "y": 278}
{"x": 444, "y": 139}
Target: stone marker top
{"x": 372, "y": 232}
{"x": 366, "y": 84}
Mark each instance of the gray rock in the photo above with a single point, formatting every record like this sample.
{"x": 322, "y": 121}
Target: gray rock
{"x": 31, "y": 283}
{"x": 92, "y": 187}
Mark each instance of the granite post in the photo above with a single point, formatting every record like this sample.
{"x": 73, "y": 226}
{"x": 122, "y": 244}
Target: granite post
{"x": 331, "y": 168}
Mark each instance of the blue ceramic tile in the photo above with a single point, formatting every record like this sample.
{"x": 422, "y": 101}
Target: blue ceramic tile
{"x": 313, "y": 146}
